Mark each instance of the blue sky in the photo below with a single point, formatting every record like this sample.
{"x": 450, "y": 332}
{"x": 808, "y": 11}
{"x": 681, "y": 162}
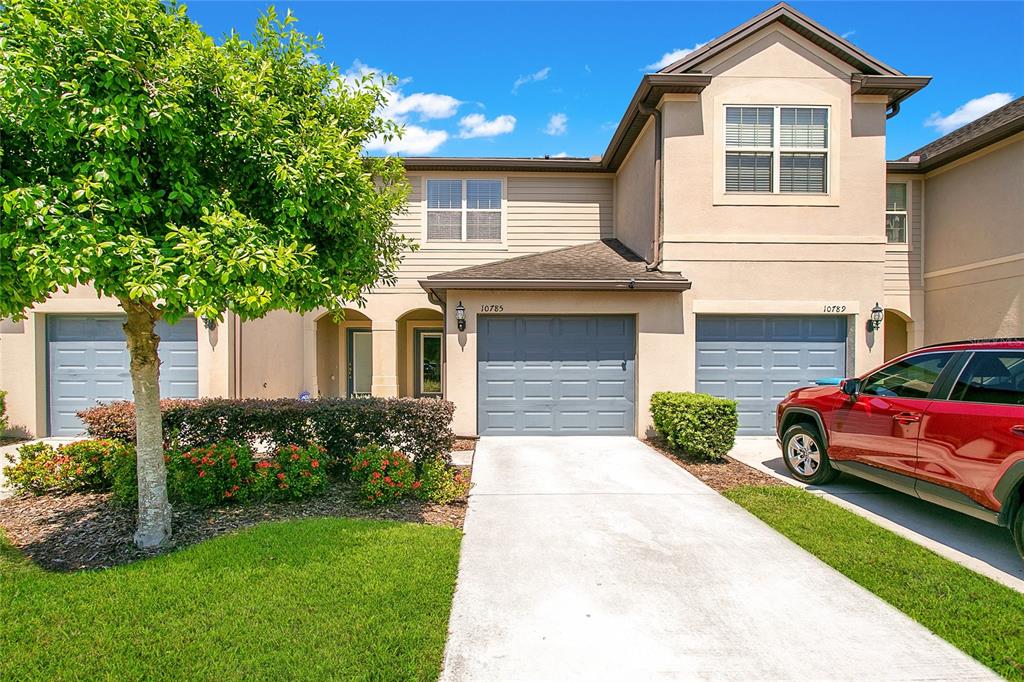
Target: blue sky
{"x": 532, "y": 78}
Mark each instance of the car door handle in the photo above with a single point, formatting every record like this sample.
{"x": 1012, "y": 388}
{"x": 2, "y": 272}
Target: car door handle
{"x": 907, "y": 417}
{"x": 1017, "y": 430}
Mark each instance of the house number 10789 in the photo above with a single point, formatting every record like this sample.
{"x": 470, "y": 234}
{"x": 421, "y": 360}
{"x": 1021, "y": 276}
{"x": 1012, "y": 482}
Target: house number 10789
{"x": 835, "y": 309}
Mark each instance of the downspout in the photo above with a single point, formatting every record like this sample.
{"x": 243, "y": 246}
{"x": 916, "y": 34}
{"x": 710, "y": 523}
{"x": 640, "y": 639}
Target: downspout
{"x": 659, "y": 226}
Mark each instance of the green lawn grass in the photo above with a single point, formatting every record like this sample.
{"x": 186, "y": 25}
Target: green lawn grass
{"x": 312, "y": 599}
{"x": 972, "y": 612}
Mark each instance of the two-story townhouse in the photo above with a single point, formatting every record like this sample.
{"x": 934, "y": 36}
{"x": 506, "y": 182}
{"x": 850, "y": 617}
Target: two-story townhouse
{"x": 733, "y": 238}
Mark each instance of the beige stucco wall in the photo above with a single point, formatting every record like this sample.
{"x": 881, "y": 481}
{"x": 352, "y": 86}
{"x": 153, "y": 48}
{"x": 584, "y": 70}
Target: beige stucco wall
{"x": 777, "y": 254}
{"x": 634, "y": 195}
{"x": 23, "y": 357}
{"x": 659, "y": 326}
{"x": 974, "y": 245}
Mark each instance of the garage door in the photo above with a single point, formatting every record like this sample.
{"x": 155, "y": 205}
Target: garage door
{"x": 88, "y": 363}
{"x": 568, "y": 375}
{"x": 757, "y": 360}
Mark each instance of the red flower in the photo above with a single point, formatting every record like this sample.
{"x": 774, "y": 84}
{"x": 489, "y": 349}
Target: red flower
{"x": 376, "y": 475}
{"x": 233, "y": 462}
{"x": 295, "y": 456}
{"x": 280, "y": 476}
{"x": 387, "y": 479}
{"x": 201, "y": 473}
{"x": 417, "y": 485}
{"x": 295, "y": 448}
{"x": 227, "y": 493}
{"x": 315, "y": 464}
{"x": 195, "y": 460}
{"x": 263, "y": 465}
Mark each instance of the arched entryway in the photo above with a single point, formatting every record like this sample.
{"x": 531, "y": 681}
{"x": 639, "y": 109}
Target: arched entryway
{"x": 895, "y": 329}
{"x": 344, "y": 355}
{"x": 420, "y": 348}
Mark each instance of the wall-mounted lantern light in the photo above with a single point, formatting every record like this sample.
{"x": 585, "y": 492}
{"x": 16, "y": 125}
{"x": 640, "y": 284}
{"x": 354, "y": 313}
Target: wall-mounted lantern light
{"x": 875, "y": 322}
{"x": 209, "y": 323}
{"x": 460, "y": 316}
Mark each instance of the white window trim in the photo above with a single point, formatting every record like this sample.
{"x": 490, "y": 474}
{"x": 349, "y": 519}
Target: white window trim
{"x": 905, "y": 213}
{"x": 423, "y": 336}
{"x": 776, "y": 149}
{"x": 463, "y": 210}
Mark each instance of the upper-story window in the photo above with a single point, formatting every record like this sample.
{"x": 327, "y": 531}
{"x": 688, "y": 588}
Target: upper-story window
{"x": 464, "y": 210}
{"x": 776, "y": 150}
{"x": 896, "y": 213}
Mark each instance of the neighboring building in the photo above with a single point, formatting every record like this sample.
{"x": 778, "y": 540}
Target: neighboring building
{"x": 733, "y": 239}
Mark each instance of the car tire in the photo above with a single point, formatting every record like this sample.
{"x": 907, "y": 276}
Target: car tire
{"x": 806, "y": 456}
{"x": 1017, "y": 528}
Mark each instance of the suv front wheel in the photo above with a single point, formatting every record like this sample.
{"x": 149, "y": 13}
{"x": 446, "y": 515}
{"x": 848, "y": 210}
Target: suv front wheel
{"x": 1017, "y": 528}
{"x": 806, "y": 456}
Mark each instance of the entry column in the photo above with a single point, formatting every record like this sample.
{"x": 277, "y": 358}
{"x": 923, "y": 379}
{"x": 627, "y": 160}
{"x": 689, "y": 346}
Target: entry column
{"x": 385, "y": 358}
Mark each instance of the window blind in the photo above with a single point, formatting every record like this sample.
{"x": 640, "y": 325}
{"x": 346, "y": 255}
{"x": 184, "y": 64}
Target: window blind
{"x": 749, "y": 126}
{"x": 801, "y": 172}
{"x": 803, "y": 127}
{"x": 748, "y": 172}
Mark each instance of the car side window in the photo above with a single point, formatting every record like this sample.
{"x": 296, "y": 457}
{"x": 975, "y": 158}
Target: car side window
{"x": 992, "y": 377}
{"x": 909, "y": 378}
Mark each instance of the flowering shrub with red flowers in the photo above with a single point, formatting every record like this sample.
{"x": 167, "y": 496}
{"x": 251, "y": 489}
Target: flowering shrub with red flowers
{"x": 208, "y": 475}
{"x": 39, "y": 468}
{"x": 295, "y": 472}
{"x": 382, "y": 475}
{"x": 440, "y": 482}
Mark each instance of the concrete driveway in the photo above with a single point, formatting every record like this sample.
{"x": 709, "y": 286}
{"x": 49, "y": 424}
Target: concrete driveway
{"x": 598, "y": 559}
{"x": 970, "y": 542}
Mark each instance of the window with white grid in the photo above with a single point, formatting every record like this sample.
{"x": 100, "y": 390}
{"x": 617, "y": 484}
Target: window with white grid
{"x": 776, "y": 149}
{"x": 467, "y": 210}
{"x": 896, "y": 213}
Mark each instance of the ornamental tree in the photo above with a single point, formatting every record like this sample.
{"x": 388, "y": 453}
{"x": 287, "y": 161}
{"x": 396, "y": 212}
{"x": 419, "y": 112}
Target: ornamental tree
{"x": 183, "y": 176}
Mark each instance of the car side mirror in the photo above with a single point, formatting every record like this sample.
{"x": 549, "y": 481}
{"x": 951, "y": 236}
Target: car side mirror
{"x": 850, "y": 387}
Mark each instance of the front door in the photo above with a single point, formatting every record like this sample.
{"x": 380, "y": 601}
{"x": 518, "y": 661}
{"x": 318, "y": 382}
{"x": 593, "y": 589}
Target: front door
{"x": 360, "y": 362}
{"x": 966, "y": 439}
{"x": 880, "y": 425}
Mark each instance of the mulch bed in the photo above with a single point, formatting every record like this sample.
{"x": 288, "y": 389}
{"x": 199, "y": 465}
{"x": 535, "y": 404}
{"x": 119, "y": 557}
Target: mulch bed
{"x": 721, "y": 476}
{"x": 88, "y": 530}
{"x": 464, "y": 444}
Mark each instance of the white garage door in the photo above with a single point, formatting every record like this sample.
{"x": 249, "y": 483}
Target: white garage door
{"x": 88, "y": 363}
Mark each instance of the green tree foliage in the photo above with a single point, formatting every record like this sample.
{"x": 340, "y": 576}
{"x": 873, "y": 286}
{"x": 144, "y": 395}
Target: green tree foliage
{"x": 181, "y": 175}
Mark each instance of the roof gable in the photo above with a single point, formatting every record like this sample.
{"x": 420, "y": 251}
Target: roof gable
{"x": 794, "y": 20}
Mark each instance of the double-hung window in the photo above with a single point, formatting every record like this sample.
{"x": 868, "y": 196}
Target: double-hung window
{"x": 464, "y": 210}
{"x": 776, "y": 150}
{"x": 896, "y": 213}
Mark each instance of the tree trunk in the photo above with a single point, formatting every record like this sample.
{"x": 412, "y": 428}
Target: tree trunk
{"x": 154, "y": 510}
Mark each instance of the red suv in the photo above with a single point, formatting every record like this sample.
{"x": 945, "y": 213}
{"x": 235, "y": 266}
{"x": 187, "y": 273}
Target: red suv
{"x": 944, "y": 423}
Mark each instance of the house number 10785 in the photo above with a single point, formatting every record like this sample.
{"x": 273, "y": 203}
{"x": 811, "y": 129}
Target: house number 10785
{"x": 491, "y": 308}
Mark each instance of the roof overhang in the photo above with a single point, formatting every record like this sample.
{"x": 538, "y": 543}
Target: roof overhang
{"x": 439, "y": 286}
{"x": 958, "y": 152}
{"x": 540, "y": 164}
{"x": 653, "y": 86}
{"x": 895, "y": 88}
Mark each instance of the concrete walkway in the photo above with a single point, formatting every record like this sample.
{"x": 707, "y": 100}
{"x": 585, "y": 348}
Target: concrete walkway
{"x": 970, "y": 542}
{"x": 598, "y": 559}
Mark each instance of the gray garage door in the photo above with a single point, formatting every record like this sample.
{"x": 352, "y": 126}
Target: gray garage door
{"x": 88, "y": 363}
{"x": 570, "y": 375}
{"x": 757, "y": 360}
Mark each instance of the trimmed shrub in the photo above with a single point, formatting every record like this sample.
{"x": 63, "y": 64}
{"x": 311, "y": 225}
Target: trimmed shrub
{"x": 696, "y": 423}
{"x": 73, "y": 467}
{"x": 299, "y": 472}
{"x": 419, "y": 427}
{"x": 208, "y": 475}
{"x": 4, "y": 424}
{"x": 440, "y": 482}
{"x": 120, "y": 470}
{"x": 382, "y": 475}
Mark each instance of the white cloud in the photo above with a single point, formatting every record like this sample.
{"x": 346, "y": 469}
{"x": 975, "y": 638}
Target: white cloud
{"x": 848, "y": 35}
{"x": 671, "y": 57}
{"x": 425, "y": 106}
{"x": 966, "y": 113}
{"x": 541, "y": 75}
{"x": 415, "y": 140}
{"x": 557, "y": 124}
{"x": 477, "y": 125}
{"x": 560, "y": 155}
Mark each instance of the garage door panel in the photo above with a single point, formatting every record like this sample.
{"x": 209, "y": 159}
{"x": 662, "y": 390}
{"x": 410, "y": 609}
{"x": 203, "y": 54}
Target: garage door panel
{"x": 88, "y": 362}
{"x": 562, "y": 369}
{"x": 793, "y": 352}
